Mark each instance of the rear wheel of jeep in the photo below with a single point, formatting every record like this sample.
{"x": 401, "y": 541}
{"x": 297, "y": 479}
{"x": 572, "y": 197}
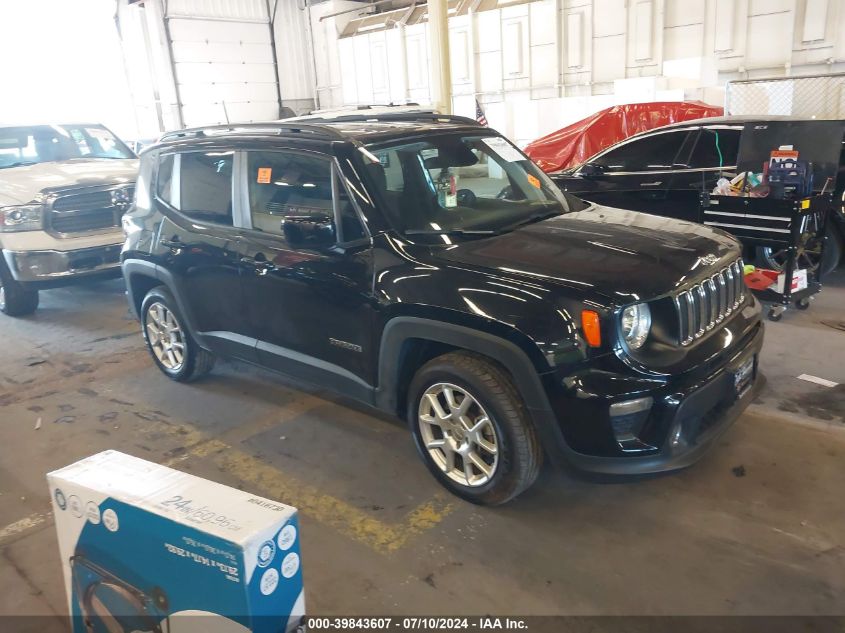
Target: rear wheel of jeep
{"x": 16, "y": 299}
{"x": 472, "y": 428}
{"x": 170, "y": 343}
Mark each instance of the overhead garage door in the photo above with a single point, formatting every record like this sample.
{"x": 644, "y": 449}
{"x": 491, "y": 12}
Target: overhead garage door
{"x": 223, "y": 60}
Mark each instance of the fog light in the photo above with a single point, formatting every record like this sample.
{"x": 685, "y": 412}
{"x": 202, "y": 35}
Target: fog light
{"x": 627, "y": 418}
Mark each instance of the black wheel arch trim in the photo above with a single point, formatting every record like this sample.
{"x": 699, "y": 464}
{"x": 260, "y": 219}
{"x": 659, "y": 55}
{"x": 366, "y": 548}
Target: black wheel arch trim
{"x": 143, "y": 268}
{"x": 528, "y": 381}
{"x": 133, "y": 268}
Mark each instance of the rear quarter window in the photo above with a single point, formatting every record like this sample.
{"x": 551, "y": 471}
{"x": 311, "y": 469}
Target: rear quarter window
{"x": 198, "y": 185}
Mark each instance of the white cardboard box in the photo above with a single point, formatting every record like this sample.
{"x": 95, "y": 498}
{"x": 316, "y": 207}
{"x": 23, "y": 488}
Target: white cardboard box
{"x": 161, "y": 550}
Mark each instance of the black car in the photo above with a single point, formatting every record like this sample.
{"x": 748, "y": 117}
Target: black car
{"x": 379, "y": 258}
{"x": 665, "y": 170}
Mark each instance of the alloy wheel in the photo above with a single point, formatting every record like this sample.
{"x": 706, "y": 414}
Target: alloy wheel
{"x": 165, "y": 336}
{"x": 809, "y": 258}
{"x": 458, "y": 434}
{"x": 808, "y": 252}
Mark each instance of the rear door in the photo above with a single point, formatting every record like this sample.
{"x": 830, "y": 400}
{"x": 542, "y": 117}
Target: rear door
{"x": 197, "y": 246}
{"x": 636, "y": 174}
{"x": 714, "y": 156}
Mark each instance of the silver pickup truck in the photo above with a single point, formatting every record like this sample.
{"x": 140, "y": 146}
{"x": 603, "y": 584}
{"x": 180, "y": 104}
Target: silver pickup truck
{"x": 63, "y": 192}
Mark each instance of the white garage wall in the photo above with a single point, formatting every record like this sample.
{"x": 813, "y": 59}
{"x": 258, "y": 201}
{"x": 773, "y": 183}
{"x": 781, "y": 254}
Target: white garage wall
{"x": 203, "y": 62}
{"x": 536, "y": 66}
{"x": 223, "y": 61}
{"x": 533, "y": 65}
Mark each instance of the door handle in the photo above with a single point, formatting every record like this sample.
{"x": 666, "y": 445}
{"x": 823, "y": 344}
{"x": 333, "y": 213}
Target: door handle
{"x": 656, "y": 183}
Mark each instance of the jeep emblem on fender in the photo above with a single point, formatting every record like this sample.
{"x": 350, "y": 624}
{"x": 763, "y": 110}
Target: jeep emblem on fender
{"x": 709, "y": 259}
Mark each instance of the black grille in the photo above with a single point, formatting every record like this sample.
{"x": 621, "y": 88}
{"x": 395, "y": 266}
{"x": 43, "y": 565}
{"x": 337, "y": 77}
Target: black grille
{"x": 82, "y": 212}
{"x": 710, "y": 302}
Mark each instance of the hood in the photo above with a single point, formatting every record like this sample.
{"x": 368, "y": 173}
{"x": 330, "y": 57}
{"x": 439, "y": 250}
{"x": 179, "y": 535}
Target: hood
{"x": 624, "y": 255}
{"x": 19, "y": 185}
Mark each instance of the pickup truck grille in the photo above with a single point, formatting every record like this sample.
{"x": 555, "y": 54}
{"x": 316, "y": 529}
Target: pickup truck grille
{"x": 85, "y": 212}
{"x": 708, "y": 303}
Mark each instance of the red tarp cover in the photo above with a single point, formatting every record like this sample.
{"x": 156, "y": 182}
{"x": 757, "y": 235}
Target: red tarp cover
{"x": 576, "y": 143}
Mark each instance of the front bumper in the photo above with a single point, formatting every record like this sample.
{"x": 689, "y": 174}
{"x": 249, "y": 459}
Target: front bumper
{"x": 689, "y": 415}
{"x": 50, "y": 267}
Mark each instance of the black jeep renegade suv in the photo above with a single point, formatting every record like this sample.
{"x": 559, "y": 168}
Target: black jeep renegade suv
{"x": 422, "y": 264}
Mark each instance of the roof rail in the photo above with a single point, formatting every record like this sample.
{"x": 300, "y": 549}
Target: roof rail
{"x": 272, "y": 127}
{"x": 387, "y": 117}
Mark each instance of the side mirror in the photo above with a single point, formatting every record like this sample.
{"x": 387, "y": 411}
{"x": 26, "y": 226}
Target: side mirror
{"x": 315, "y": 230}
{"x": 591, "y": 170}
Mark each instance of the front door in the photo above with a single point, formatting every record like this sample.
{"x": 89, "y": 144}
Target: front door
{"x": 307, "y": 271}
{"x": 198, "y": 245}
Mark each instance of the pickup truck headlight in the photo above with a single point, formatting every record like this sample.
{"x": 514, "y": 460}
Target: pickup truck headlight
{"x": 636, "y": 324}
{"x": 27, "y": 217}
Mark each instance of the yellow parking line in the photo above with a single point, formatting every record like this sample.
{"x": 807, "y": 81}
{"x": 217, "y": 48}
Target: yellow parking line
{"x": 23, "y": 525}
{"x": 326, "y": 509}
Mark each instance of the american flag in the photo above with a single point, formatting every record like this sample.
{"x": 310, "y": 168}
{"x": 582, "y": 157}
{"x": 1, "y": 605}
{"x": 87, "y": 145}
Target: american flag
{"x": 479, "y": 114}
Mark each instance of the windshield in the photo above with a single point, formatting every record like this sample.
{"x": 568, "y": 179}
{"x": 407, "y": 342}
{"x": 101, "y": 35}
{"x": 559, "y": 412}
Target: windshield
{"x": 47, "y": 143}
{"x": 470, "y": 184}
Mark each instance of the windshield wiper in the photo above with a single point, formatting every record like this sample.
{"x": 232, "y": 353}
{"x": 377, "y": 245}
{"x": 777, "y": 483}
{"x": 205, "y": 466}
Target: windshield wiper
{"x": 531, "y": 219}
{"x": 23, "y": 163}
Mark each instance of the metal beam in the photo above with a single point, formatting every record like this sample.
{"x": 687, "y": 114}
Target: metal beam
{"x": 440, "y": 70}
{"x": 271, "y": 18}
{"x": 361, "y": 8}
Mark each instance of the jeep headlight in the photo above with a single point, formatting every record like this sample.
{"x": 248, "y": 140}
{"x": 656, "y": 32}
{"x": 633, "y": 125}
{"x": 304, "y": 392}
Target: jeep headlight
{"x": 636, "y": 324}
{"x": 27, "y": 217}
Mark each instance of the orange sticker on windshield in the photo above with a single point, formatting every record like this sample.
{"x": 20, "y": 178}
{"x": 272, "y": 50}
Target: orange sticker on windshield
{"x": 265, "y": 174}
{"x": 533, "y": 181}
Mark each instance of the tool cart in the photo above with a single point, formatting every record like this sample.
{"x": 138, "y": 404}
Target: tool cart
{"x": 785, "y": 225}
{"x": 781, "y": 199}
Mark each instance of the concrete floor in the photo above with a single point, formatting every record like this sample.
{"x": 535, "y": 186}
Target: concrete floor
{"x": 757, "y": 527}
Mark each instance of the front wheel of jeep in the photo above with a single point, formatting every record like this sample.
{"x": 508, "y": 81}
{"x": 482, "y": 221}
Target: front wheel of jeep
{"x": 472, "y": 428}
{"x": 169, "y": 342}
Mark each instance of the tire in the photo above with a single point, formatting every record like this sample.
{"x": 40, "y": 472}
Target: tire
{"x": 831, "y": 256}
{"x": 518, "y": 456}
{"x": 15, "y": 299}
{"x": 169, "y": 341}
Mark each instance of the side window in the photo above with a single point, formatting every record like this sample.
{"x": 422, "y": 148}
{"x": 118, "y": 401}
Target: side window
{"x": 716, "y": 148}
{"x": 291, "y": 195}
{"x": 394, "y": 179}
{"x": 198, "y": 185}
{"x": 205, "y": 186}
{"x": 650, "y": 153}
{"x": 290, "y": 189}
{"x": 164, "y": 180}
